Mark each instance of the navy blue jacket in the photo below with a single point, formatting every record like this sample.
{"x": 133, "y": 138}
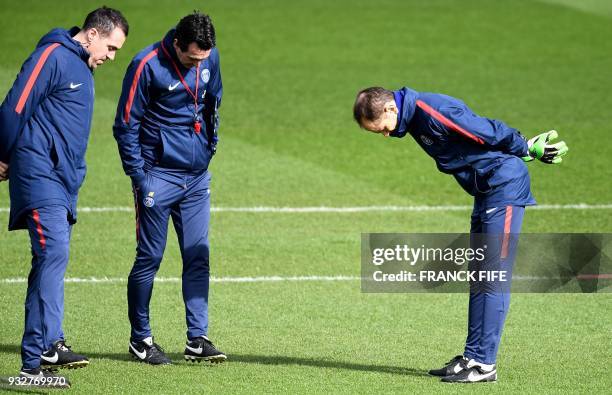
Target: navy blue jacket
{"x": 483, "y": 154}
{"x": 45, "y": 121}
{"x": 154, "y": 126}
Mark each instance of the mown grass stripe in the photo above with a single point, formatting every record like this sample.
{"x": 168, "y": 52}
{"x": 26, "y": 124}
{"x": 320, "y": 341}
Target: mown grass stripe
{"x": 113, "y": 280}
{"x": 263, "y": 279}
{"x": 355, "y": 209}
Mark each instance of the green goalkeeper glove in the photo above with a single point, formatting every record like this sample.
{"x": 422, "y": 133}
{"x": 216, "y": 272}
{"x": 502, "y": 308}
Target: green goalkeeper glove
{"x": 541, "y": 148}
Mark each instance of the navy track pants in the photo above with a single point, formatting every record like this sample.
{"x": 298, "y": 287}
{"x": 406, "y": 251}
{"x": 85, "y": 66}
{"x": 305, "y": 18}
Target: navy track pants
{"x": 49, "y": 231}
{"x": 488, "y": 308}
{"x": 189, "y": 207}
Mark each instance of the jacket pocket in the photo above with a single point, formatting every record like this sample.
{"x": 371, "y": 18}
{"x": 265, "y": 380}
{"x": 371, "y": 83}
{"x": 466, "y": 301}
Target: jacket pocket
{"x": 71, "y": 171}
{"x": 465, "y": 178}
{"x": 483, "y": 181}
{"x": 184, "y": 149}
{"x": 508, "y": 170}
{"x": 201, "y": 152}
{"x": 177, "y": 148}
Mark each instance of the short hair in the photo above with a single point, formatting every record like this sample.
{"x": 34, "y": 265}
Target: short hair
{"x": 370, "y": 104}
{"x": 195, "y": 28}
{"x": 105, "y": 20}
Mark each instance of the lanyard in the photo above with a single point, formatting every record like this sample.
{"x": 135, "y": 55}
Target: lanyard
{"x": 197, "y": 126}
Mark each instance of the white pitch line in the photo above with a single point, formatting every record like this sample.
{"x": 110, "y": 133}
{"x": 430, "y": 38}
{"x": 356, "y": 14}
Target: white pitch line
{"x": 261, "y": 279}
{"x": 356, "y": 209}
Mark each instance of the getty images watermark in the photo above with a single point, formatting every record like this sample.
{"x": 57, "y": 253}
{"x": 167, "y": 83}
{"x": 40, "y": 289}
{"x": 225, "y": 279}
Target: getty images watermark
{"x": 448, "y": 262}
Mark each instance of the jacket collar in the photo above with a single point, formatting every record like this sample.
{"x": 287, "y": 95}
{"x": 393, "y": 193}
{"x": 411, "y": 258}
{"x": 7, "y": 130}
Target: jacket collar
{"x": 405, "y": 100}
{"x": 64, "y": 38}
{"x": 168, "y": 42}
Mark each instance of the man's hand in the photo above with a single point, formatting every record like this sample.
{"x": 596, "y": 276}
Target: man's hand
{"x": 138, "y": 181}
{"x": 3, "y": 171}
{"x": 540, "y": 148}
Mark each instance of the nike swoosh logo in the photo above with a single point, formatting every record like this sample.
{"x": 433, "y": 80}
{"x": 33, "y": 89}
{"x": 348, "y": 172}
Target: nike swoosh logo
{"x": 139, "y": 354}
{"x": 74, "y": 86}
{"x": 458, "y": 368}
{"x": 473, "y": 376}
{"x": 489, "y": 211}
{"x": 195, "y": 350}
{"x": 52, "y": 359}
{"x": 173, "y": 87}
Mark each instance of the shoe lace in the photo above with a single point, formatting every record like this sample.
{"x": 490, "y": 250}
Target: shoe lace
{"x": 63, "y": 346}
{"x": 457, "y": 358}
{"x": 207, "y": 341}
{"x": 157, "y": 347}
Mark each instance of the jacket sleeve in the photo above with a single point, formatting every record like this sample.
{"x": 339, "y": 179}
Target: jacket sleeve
{"x": 38, "y": 77}
{"x": 212, "y": 99}
{"x": 457, "y": 117}
{"x": 130, "y": 111}
{"x": 216, "y": 85}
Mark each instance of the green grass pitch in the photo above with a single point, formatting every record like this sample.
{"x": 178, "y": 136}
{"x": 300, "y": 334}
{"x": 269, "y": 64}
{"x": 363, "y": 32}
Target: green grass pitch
{"x": 290, "y": 71}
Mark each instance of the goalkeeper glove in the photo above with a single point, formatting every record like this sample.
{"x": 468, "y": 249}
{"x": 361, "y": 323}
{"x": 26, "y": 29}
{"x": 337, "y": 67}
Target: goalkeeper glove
{"x": 539, "y": 147}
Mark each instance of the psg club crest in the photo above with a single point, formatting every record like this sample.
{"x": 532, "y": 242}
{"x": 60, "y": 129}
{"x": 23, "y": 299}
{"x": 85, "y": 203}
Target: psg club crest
{"x": 148, "y": 201}
{"x": 205, "y": 74}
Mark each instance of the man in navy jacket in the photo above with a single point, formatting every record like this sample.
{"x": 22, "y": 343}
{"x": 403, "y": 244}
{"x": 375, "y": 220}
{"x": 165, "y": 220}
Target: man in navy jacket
{"x": 45, "y": 121}
{"x": 165, "y": 128}
{"x": 487, "y": 158}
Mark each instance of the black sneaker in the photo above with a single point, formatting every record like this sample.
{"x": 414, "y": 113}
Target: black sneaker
{"x": 202, "y": 349}
{"x": 475, "y": 374}
{"x": 61, "y": 356}
{"x": 452, "y": 367}
{"x": 43, "y": 378}
{"x": 148, "y": 351}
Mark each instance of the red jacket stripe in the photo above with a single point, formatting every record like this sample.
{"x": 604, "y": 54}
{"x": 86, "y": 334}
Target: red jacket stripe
{"x": 447, "y": 122}
{"x": 39, "y": 229}
{"x": 130, "y": 100}
{"x": 507, "y": 224}
{"x": 32, "y": 79}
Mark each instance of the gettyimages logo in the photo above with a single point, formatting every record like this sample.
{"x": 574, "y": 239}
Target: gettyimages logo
{"x": 493, "y": 263}
{"x": 411, "y": 255}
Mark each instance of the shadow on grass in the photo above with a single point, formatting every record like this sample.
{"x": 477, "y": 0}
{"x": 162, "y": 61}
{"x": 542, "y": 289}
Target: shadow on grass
{"x": 24, "y": 389}
{"x": 261, "y": 360}
{"x": 16, "y": 349}
{"x": 325, "y": 363}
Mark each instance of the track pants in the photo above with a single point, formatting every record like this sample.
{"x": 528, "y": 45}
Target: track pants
{"x": 189, "y": 207}
{"x": 488, "y": 307}
{"x": 49, "y": 231}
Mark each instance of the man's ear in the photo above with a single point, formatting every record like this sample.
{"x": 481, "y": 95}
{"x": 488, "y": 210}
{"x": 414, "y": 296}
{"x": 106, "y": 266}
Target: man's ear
{"x": 390, "y": 107}
{"x": 92, "y": 33}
